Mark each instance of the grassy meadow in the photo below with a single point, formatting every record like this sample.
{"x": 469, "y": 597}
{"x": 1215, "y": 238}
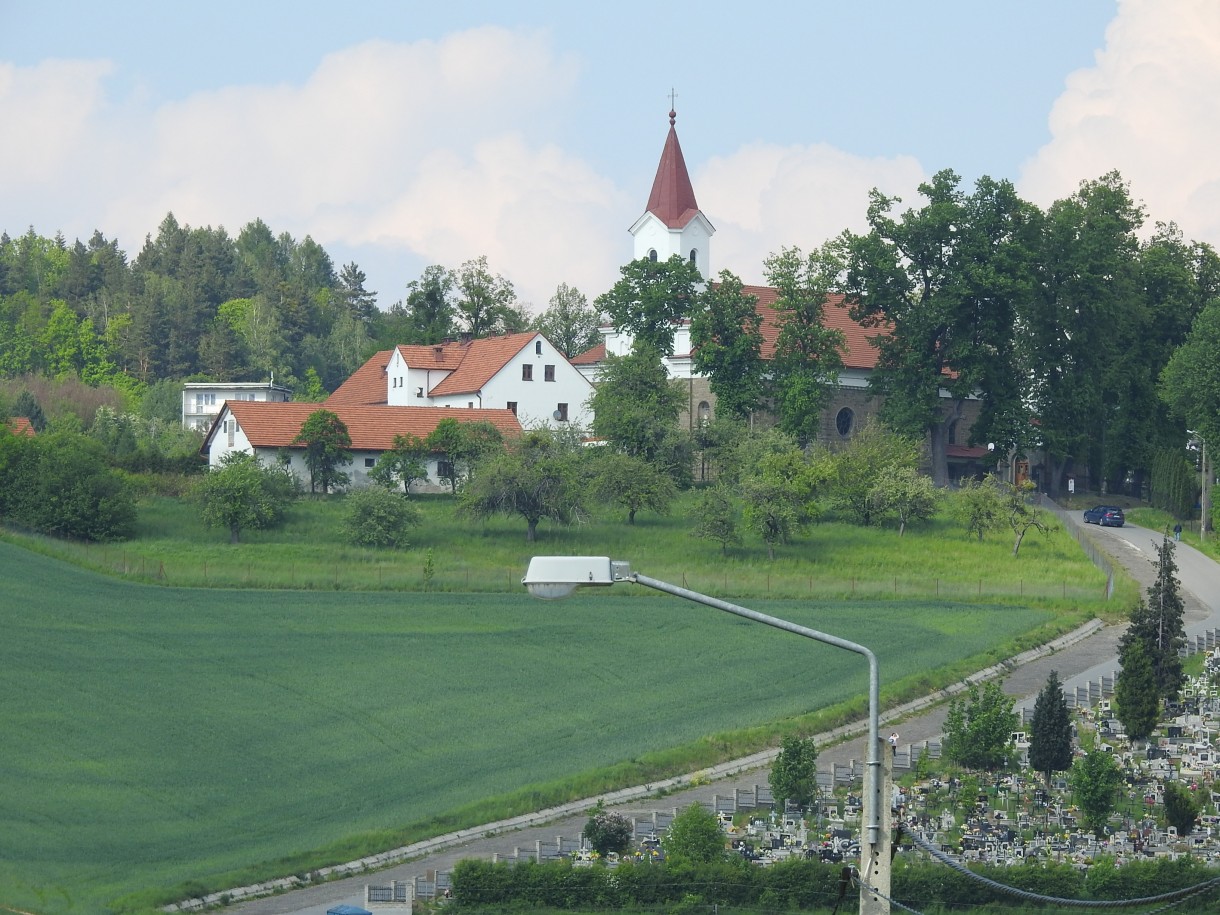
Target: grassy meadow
{"x": 162, "y": 740}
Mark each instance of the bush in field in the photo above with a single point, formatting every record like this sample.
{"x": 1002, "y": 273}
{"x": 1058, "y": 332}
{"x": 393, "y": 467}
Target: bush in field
{"x": 377, "y": 517}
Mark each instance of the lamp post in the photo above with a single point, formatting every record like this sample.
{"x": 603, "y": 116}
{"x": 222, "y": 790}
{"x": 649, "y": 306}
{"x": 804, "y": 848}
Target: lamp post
{"x": 554, "y": 577}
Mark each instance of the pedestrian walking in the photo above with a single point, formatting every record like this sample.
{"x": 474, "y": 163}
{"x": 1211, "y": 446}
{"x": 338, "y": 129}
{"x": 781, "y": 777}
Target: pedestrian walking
{"x": 1177, "y": 531}
{"x": 894, "y": 744}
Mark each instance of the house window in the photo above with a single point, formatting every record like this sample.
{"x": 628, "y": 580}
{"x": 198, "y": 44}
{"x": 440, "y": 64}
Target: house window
{"x": 705, "y": 412}
{"x": 538, "y": 347}
{"x": 419, "y": 392}
{"x": 844, "y": 421}
{"x": 548, "y": 373}
{"x": 561, "y": 412}
{"x": 527, "y": 372}
{"x": 652, "y": 255}
{"x": 470, "y": 405}
{"x": 444, "y": 470}
{"x": 370, "y": 462}
{"x": 694, "y": 255}
{"x": 951, "y": 434}
{"x": 512, "y": 405}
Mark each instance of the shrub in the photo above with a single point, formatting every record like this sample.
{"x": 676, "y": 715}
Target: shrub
{"x": 379, "y": 518}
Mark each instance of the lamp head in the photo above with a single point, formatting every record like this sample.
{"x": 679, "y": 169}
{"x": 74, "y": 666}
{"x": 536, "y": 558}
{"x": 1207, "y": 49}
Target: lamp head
{"x": 553, "y": 577}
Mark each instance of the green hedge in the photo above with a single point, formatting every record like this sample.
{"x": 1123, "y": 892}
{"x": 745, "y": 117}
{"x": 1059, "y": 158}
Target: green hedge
{"x": 808, "y": 885}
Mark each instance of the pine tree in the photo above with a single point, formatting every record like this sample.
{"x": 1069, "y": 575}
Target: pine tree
{"x": 1135, "y": 693}
{"x": 1050, "y": 739}
{"x": 1158, "y": 625}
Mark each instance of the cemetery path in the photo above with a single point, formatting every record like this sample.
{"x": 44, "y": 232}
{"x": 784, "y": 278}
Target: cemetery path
{"x": 1133, "y": 547}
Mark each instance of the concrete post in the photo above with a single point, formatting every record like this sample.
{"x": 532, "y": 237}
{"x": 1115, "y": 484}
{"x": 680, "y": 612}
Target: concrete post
{"x": 875, "y": 859}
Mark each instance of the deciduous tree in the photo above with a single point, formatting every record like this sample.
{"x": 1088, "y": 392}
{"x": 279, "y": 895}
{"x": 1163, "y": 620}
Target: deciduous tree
{"x": 533, "y": 477}
{"x": 715, "y": 516}
{"x": 1181, "y": 807}
{"x": 636, "y": 404}
{"x": 651, "y": 298}
{"x": 632, "y": 483}
{"x": 808, "y": 355}
{"x": 1094, "y": 779}
{"x": 905, "y": 494}
{"x": 484, "y": 302}
{"x": 726, "y": 340}
{"x": 694, "y": 836}
{"x": 979, "y": 727}
{"x": 569, "y": 322}
{"x": 608, "y": 831}
{"x": 404, "y": 463}
{"x": 241, "y": 494}
{"x": 794, "y": 773}
{"x": 327, "y": 448}
{"x": 945, "y": 281}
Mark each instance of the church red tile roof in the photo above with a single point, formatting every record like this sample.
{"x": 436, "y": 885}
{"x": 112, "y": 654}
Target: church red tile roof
{"x": 673, "y": 196}
{"x": 858, "y": 353}
{"x": 372, "y": 428}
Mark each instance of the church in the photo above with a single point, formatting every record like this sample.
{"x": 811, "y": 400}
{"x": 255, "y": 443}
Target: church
{"x": 673, "y": 224}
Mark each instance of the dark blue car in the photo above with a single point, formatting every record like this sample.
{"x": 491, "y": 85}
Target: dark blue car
{"x": 1105, "y": 515}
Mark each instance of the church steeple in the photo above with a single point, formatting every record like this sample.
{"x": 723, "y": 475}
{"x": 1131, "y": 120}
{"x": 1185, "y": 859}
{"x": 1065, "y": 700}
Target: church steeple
{"x": 673, "y": 198}
{"x": 672, "y": 222}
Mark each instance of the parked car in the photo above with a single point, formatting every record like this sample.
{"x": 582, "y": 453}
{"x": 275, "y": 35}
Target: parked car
{"x": 1105, "y": 515}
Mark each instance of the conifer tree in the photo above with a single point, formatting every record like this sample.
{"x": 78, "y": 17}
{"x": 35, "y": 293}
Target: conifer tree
{"x": 1050, "y": 739}
{"x": 1135, "y": 693}
{"x": 1158, "y": 624}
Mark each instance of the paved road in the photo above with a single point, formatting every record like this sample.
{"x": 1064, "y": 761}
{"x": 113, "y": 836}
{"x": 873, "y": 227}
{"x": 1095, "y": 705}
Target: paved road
{"x": 1134, "y": 547}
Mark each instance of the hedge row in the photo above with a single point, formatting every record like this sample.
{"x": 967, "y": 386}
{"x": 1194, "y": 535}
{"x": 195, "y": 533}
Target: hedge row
{"x": 799, "y": 884}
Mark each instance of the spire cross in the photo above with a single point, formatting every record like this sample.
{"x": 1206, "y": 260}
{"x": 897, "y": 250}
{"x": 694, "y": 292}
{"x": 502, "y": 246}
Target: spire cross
{"x": 672, "y": 114}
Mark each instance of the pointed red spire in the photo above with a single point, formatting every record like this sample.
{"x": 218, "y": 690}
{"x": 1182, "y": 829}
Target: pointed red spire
{"x": 673, "y": 198}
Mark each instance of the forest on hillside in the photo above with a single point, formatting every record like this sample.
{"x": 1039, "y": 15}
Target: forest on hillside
{"x": 1082, "y": 333}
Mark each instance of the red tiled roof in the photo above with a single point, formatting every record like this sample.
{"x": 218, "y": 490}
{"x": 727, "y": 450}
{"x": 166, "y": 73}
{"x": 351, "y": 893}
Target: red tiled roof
{"x": 372, "y": 428}
{"x": 673, "y": 197}
{"x": 366, "y": 385}
{"x": 481, "y": 360}
{"x": 968, "y": 452}
{"x": 21, "y": 425}
{"x": 590, "y": 356}
{"x": 858, "y": 352}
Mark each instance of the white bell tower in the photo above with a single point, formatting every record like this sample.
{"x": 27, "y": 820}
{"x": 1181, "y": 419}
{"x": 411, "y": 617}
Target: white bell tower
{"x": 672, "y": 222}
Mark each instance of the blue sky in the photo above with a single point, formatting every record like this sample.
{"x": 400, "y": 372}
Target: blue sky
{"x": 405, "y": 134}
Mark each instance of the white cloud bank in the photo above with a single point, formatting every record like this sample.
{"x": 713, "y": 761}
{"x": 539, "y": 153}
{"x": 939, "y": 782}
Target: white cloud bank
{"x": 435, "y": 152}
{"x": 1148, "y": 109}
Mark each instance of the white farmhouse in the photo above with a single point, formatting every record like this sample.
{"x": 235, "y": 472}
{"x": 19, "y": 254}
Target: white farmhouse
{"x": 522, "y": 373}
{"x": 266, "y": 430}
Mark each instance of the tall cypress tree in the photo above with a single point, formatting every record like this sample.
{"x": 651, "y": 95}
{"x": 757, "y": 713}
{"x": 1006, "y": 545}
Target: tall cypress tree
{"x": 1158, "y": 625}
{"x": 1050, "y": 739}
{"x": 1135, "y": 692}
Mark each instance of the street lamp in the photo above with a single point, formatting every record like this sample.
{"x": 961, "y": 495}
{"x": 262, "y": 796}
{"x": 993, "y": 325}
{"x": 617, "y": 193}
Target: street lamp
{"x": 554, "y": 577}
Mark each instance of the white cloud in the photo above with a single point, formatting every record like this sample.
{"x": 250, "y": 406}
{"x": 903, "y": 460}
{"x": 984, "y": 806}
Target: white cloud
{"x": 1146, "y": 108}
{"x": 426, "y": 147}
{"x": 764, "y": 198}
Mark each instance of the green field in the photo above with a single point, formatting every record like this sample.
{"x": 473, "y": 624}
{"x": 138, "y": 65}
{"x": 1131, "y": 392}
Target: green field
{"x": 162, "y": 739}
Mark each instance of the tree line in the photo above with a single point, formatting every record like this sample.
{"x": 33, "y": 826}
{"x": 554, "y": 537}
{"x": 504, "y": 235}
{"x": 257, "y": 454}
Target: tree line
{"x": 1076, "y": 336}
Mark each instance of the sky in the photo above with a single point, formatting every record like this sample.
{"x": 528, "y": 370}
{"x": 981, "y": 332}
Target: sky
{"x": 404, "y": 134}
